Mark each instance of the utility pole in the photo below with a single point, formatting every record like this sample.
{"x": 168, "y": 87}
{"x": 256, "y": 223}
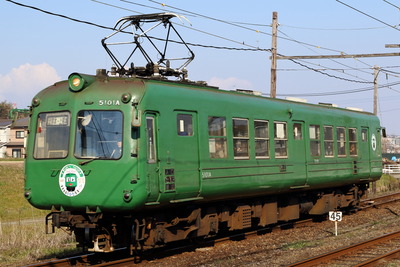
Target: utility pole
{"x": 376, "y": 72}
{"x": 274, "y": 53}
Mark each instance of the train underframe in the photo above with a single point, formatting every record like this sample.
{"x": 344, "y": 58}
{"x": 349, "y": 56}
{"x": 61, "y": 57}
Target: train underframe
{"x": 102, "y": 232}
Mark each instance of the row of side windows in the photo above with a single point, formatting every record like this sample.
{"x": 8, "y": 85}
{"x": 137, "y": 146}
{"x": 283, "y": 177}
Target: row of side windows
{"x": 218, "y": 143}
{"x": 241, "y": 138}
{"x": 329, "y": 143}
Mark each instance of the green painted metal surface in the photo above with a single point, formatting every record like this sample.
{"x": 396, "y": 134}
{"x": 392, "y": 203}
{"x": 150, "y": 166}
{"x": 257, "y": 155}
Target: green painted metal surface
{"x": 167, "y": 146}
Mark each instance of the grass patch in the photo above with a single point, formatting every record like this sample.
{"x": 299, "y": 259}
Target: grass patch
{"x": 299, "y": 245}
{"x": 22, "y": 228}
{"x": 387, "y": 183}
{"x": 11, "y": 159}
{"x": 26, "y": 242}
{"x": 15, "y": 206}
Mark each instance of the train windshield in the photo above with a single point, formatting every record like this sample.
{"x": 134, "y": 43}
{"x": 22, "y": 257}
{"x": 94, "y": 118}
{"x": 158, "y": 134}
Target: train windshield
{"x": 52, "y": 135}
{"x": 99, "y": 134}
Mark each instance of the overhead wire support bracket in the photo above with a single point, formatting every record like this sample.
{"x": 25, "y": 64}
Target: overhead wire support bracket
{"x": 160, "y": 67}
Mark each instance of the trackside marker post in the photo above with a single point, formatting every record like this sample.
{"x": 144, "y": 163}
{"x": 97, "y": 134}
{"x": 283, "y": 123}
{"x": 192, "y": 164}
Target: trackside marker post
{"x": 335, "y": 216}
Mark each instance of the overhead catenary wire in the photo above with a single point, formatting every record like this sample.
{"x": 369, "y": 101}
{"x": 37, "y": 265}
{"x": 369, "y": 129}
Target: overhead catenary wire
{"x": 343, "y": 92}
{"x": 359, "y": 11}
{"x": 331, "y": 29}
{"x": 335, "y": 61}
{"x": 398, "y": 8}
{"x": 252, "y": 48}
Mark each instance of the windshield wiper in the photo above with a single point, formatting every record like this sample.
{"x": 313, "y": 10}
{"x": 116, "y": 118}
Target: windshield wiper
{"x": 89, "y": 160}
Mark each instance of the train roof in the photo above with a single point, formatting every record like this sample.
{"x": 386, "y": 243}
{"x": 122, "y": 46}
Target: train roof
{"x": 152, "y": 82}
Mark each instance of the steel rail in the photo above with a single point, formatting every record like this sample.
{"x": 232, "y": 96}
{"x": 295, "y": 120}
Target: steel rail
{"x": 394, "y": 254}
{"x": 336, "y": 254}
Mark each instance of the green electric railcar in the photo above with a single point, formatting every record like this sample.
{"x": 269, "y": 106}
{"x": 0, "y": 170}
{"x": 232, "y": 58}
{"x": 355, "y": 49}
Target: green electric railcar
{"x": 144, "y": 162}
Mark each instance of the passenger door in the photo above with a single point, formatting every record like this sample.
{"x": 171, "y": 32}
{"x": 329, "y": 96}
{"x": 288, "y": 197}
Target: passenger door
{"x": 152, "y": 162}
{"x": 298, "y": 150}
{"x": 364, "y": 150}
{"x": 186, "y": 155}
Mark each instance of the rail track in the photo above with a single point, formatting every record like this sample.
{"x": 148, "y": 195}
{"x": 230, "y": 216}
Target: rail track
{"x": 379, "y": 201}
{"x": 368, "y": 253}
{"x": 121, "y": 258}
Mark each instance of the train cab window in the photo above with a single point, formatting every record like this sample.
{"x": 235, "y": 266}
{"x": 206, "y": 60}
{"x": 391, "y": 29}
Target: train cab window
{"x": 261, "y": 139}
{"x": 315, "y": 142}
{"x": 98, "y": 134}
{"x": 184, "y": 124}
{"x": 217, "y": 137}
{"x": 341, "y": 141}
{"x": 353, "y": 141}
{"x": 297, "y": 131}
{"x": 280, "y": 134}
{"x": 328, "y": 141}
{"x": 240, "y": 138}
{"x": 52, "y": 135}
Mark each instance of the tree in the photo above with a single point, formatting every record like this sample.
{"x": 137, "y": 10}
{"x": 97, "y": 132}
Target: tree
{"x": 5, "y": 108}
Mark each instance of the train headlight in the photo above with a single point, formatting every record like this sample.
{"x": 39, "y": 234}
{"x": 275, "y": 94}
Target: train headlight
{"x": 78, "y": 82}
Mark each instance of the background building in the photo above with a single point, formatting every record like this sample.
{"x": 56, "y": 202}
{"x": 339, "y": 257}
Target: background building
{"x": 13, "y": 138}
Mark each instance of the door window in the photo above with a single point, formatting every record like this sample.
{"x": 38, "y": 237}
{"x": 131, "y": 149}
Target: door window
{"x": 151, "y": 140}
{"x": 184, "y": 123}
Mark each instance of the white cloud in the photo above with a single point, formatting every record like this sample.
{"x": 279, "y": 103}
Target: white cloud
{"x": 21, "y": 84}
{"x": 230, "y": 83}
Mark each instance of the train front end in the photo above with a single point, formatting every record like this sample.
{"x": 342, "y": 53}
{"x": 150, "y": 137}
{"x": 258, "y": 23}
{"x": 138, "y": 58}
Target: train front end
{"x": 82, "y": 156}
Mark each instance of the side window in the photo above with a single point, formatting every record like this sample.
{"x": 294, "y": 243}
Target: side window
{"x": 240, "y": 138}
{"x": 151, "y": 144}
{"x": 297, "y": 131}
{"x": 328, "y": 141}
{"x": 280, "y": 134}
{"x": 184, "y": 123}
{"x": 315, "y": 142}
{"x": 261, "y": 139}
{"x": 217, "y": 137}
{"x": 353, "y": 141}
{"x": 341, "y": 141}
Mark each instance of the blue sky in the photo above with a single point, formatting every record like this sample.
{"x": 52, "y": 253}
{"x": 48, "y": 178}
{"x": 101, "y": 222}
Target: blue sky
{"x": 38, "y": 49}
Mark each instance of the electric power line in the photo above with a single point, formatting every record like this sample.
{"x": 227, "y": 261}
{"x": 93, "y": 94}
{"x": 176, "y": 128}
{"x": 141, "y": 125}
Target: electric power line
{"x": 343, "y": 92}
{"x": 391, "y": 26}
{"x": 253, "y": 48}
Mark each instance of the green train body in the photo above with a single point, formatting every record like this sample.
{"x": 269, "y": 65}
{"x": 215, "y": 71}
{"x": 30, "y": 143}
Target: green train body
{"x": 101, "y": 147}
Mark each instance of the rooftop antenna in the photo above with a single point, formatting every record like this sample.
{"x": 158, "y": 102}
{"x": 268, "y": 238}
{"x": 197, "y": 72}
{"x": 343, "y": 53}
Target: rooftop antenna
{"x": 161, "y": 67}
